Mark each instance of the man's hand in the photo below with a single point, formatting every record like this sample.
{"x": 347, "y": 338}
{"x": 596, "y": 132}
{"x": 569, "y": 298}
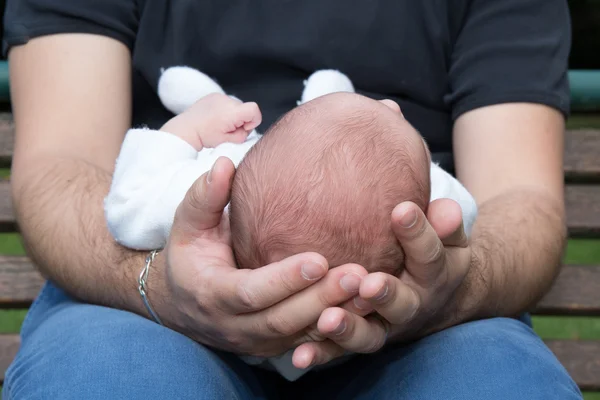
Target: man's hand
{"x": 261, "y": 312}
{"x": 509, "y": 156}
{"x": 418, "y": 302}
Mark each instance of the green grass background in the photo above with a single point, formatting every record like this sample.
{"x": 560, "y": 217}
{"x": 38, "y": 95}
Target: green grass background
{"x": 579, "y": 251}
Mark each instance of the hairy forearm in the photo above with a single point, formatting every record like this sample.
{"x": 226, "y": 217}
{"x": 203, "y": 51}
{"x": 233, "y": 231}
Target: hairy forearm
{"x": 517, "y": 243}
{"x": 59, "y": 209}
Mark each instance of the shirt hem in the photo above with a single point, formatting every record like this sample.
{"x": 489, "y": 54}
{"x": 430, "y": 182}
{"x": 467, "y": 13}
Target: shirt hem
{"x": 10, "y": 41}
{"x": 554, "y": 101}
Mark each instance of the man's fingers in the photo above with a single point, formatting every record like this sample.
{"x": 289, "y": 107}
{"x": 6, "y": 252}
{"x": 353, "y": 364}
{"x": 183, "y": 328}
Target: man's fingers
{"x": 297, "y": 312}
{"x": 316, "y": 353}
{"x": 358, "y": 306}
{"x": 254, "y": 290}
{"x": 352, "y": 332}
{"x": 423, "y": 248}
{"x": 203, "y": 205}
{"x": 390, "y": 297}
{"x": 445, "y": 216}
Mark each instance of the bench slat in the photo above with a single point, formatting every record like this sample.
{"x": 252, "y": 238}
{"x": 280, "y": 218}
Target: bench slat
{"x": 7, "y": 137}
{"x": 580, "y": 358}
{"x": 582, "y": 147}
{"x": 575, "y": 292}
{"x": 20, "y": 282}
{"x": 583, "y": 210}
{"x": 7, "y": 216}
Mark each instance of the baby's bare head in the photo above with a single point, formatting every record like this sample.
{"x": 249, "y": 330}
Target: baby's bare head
{"x": 325, "y": 178}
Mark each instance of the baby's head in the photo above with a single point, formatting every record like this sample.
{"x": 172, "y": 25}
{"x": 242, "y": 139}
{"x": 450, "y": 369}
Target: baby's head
{"x": 325, "y": 178}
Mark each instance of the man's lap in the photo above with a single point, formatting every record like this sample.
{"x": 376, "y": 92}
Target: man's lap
{"x": 74, "y": 350}
{"x": 498, "y": 358}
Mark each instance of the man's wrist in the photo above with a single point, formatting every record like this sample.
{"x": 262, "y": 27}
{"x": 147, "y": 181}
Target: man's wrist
{"x": 473, "y": 299}
{"x": 154, "y": 286}
{"x": 143, "y": 285}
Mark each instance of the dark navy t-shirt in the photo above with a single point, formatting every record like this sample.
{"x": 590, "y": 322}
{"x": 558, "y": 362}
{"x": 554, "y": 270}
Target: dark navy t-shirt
{"x": 437, "y": 58}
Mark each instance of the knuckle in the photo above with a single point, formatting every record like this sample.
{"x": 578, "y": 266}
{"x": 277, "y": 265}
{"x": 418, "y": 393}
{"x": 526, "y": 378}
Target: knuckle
{"x": 434, "y": 253}
{"x": 413, "y": 305}
{"x": 386, "y": 295}
{"x": 376, "y": 340}
{"x": 350, "y": 331}
{"x": 287, "y": 282}
{"x": 279, "y": 325}
{"x": 375, "y": 345}
{"x": 313, "y": 335}
{"x": 246, "y": 298}
{"x": 301, "y": 339}
{"x": 325, "y": 300}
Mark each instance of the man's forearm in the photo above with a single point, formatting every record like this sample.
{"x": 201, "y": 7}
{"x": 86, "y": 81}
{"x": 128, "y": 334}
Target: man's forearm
{"x": 59, "y": 208}
{"x": 518, "y": 242}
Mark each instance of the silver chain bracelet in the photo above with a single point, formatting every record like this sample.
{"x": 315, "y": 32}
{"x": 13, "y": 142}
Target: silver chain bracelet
{"x": 142, "y": 279}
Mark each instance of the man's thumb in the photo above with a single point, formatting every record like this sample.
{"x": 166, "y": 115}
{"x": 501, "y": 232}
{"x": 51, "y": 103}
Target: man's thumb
{"x": 445, "y": 216}
{"x": 202, "y": 207}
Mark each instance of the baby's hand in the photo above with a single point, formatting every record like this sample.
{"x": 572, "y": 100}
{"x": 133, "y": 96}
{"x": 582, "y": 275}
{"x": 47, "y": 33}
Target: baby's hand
{"x": 227, "y": 119}
{"x": 215, "y": 119}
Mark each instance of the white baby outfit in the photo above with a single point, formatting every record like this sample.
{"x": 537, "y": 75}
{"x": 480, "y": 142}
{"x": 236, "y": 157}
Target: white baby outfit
{"x": 155, "y": 169}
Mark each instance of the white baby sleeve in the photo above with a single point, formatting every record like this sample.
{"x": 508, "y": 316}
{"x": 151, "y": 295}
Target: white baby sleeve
{"x": 444, "y": 185}
{"x": 153, "y": 173}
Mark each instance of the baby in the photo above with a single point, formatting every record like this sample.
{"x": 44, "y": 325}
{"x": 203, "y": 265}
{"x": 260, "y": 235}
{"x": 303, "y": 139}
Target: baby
{"x": 324, "y": 178}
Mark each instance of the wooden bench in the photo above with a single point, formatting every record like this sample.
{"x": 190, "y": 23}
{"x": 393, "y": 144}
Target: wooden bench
{"x": 575, "y": 293}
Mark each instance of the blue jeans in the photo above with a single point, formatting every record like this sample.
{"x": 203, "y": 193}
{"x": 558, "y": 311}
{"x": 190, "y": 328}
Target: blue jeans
{"x": 72, "y": 350}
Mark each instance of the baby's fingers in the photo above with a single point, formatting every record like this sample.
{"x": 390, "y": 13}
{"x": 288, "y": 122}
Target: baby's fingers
{"x": 248, "y": 116}
{"x": 239, "y": 135}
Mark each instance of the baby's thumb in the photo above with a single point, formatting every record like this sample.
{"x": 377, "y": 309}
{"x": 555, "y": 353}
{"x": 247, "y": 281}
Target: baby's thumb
{"x": 203, "y": 205}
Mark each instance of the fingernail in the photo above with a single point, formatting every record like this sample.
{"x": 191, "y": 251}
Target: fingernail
{"x": 382, "y": 293}
{"x": 408, "y": 219}
{"x": 312, "y": 270}
{"x": 350, "y": 282}
{"x": 209, "y": 176}
{"x": 361, "y": 304}
{"x": 341, "y": 328}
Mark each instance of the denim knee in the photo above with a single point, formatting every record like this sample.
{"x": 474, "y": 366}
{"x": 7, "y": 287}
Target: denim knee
{"x": 498, "y": 358}
{"x": 82, "y": 351}
{"x": 494, "y": 359}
